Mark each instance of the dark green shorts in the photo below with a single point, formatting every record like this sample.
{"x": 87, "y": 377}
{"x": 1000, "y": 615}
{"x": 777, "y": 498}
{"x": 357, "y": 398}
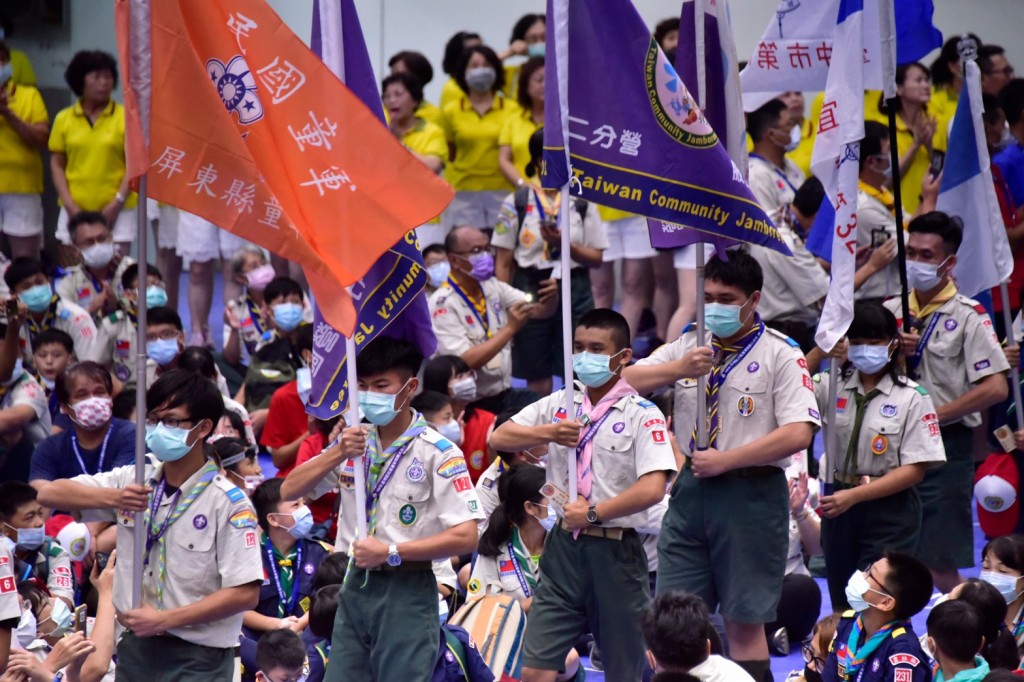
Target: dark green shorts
{"x": 725, "y": 539}
{"x": 947, "y": 527}
{"x": 593, "y": 583}
{"x": 171, "y": 659}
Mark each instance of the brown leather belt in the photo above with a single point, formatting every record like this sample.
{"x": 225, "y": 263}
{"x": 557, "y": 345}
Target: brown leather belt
{"x": 598, "y": 531}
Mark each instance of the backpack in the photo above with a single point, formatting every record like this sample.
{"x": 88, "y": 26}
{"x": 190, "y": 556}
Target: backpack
{"x": 496, "y": 624}
{"x": 522, "y": 198}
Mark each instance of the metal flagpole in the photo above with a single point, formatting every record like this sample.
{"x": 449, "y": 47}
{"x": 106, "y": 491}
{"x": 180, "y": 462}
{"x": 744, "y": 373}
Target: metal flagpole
{"x": 353, "y": 420}
{"x": 831, "y": 437}
{"x": 701, "y": 442}
{"x": 1004, "y": 294}
{"x": 566, "y": 293}
{"x": 140, "y": 50}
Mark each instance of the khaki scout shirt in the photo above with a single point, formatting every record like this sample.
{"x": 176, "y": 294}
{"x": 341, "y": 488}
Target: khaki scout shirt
{"x": 899, "y": 427}
{"x": 27, "y": 391}
{"x": 769, "y": 388}
{"x": 793, "y": 285}
{"x": 487, "y": 489}
{"x": 213, "y": 546}
{"x": 526, "y": 241}
{"x": 429, "y": 492}
{"x": 117, "y": 345}
{"x": 631, "y": 442}
{"x": 52, "y": 561}
{"x": 961, "y": 351}
{"x": 458, "y": 329}
{"x": 77, "y": 286}
{"x": 73, "y": 320}
{"x": 497, "y": 575}
{"x": 10, "y": 607}
{"x": 773, "y": 187}
{"x": 872, "y": 215}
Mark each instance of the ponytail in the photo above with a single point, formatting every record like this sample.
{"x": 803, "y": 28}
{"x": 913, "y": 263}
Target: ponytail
{"x": 516, "y": 487}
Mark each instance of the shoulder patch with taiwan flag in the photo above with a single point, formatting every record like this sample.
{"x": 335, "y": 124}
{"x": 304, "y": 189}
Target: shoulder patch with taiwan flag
{"x": 904, "y": 659}
{"x": 506, "y": 567}
{"x": 560, "y": 415}
{"x": 452, "y": 468}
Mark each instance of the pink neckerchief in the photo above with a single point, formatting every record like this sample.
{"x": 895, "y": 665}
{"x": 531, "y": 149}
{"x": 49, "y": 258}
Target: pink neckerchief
{"x": 620, "y": 390}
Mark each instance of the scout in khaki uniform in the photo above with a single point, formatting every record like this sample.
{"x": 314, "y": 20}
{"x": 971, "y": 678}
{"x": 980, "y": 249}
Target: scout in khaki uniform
{"x": 202, "y": 559}
{"x": 119, "y": 330}
{"x": 420, "y": 506}
{"x": 594, "y": 566}
{"x": 887, "y": 436}
{"x": 10, "y": 607}
{"x": 475, "y": 315}
{"x": 95, "y": 284}
{"x": 725, "y": 534}
{"x": 35, "y": 555}
{"x": 953, "y": 352}
{"x": 487, "y": 484}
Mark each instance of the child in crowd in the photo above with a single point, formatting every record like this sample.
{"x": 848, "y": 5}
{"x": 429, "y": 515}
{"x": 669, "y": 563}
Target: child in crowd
{"x": 119, "y": 330}
{"x": 36, "y": 557}
{"x": 955, "y": 637}
{"x": 281, "y": 656}
{"x": 54, "y": 350}
{"x": 436, "y": 408}
{"x": 278, "y": 401}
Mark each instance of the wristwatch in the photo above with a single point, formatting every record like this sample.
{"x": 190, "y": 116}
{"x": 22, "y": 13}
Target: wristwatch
{"x": 592, "y": 516}
{"x": 394, "y": 558}
{"x": 121, "y": 198}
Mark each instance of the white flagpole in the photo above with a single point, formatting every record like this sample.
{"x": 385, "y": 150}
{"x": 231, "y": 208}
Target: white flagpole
{"x": 701, "y": 442}
{"x": 141, "y": 82}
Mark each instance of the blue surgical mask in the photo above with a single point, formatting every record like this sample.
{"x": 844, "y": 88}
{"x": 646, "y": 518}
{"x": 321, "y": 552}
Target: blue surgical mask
{"x": 303, "y": 518}
{"x": 723, "y": 320}
{"x": 6, "y": 73}
{"x": 869, "y": 359}
{"x": 922, "y": 276}
{"x": 380, "y": 408}
{"x": 37, "y": 298}
{"x": 168, "y": 444}
{"x": 451, "y": 431}
{"x": 304, "y": 383}
{"x": 28, "y": 538}
{"x": 163, "y": 351}
{"x": 61, "y": 617}
{"x": 156, "y": 297}
{"x": 535, "y": 50}
{"x": 548, "y": 522}
{"x": 593, "y": 369}
{"x": 437, "y": 274}
{"x": 1006, "y": 584}
{"x": 287, "y": 316}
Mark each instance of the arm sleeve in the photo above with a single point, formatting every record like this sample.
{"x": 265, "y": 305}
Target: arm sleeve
{"x": 58, "y": 134}
{"x": 448, "y": 328}
{"x": 793, "y": 391}
{"x": 510, "y": 295}
{"x": 59, "y": 581}
{"x": 595, "y": 233}
{"x": 921, "y": 441}
{"x": 454, "y": 506}
{"x": 44, "y": 459}
{"x": 507, "y": 129}
{"x": 10, "y": 607}
{"x": 667, "y": 352}
{"x": 982, "y": 353}
{"x": 540, "y": 412}
{"x": 506, "y": 227}
{"x": 37, "y": 109}
{"x": 86, "y": 337}
{"x": 653, "y": 450}
{"x": 435, "y": 144}
{"x": 238, "y": 549}
{"x": 31, "y": 394}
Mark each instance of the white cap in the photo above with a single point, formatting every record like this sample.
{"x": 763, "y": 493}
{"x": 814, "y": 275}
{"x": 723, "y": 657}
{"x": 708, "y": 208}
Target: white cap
{"x": 994, "y": 494}
{"x": 76, "y": 540}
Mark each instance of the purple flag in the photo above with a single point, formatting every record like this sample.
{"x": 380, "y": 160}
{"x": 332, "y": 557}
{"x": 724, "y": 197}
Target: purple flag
{"x": 389, "y": 300}
{"x": 648, "y": 150}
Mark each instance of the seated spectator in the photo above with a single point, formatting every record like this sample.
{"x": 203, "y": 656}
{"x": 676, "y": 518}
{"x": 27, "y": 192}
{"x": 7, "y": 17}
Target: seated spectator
{"x": 1000, "y": 649}
{"x": 285, "y": 425}
{"x": 94, "y": 285}
{"x": 289, "y": 562}
{"x": 96, "y": 441}
{"x": 165, "y": 341}
{"x": 1002, "y": 565}
{"x": 52, "y": 617}
{"x": 331, "y": 571}
{"x": 676, "y": 629}
{"x": 119, "y": 330}
{"x": 815, "y": 649}
{"x": 449, "y": 374}
{"x": 476, "y": 316}
{"x": 36, "y": 557}
{"x": 247, "y": 325}
{"x": 199, "y": 359}
{"x": 435, "y": 260}
{"x": 23, "y": 408}
{"x": 955, "y": 636}
{"x": 238, "y": 462}
{"x": 487, "y": 485}
{"x": 281, "y": 656}
{"x": 436, "y": 408}
{"x": 322, "y": 612}
{"x": 46, "y": 310}
{"x": 323, "y": 507}
{"x": 54, "y": 351}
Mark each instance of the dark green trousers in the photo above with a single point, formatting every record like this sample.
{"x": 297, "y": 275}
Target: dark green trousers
{"x": 171, "y": 659}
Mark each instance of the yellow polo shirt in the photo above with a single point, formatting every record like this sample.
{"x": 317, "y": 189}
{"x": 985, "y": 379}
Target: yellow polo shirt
{"x": 450, "y": 92}
{"x": 23, "y": 73}
{"x": 21, "y": 166}
{"x": 427, "y": 139}
{"x": 430, "y": 113}
{"x": 95, "y": 154}
{"x": 516, "y": 134}
{"x": 475, "y": 137}
{"x": 910, "y": 182}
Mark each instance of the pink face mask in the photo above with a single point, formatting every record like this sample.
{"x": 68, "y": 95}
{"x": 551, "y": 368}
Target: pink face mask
{"x": 260, "y": 277}
{"x": 94, "y": 412}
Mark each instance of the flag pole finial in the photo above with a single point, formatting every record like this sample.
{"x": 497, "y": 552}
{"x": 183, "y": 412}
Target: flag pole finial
{"x": 967, "y": 48}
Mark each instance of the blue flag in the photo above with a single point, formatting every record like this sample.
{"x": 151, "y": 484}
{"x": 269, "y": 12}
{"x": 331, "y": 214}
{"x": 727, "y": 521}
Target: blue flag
{"x": 916, "y": 36}
{"x": 389, "y": 300}
{"x": 620, "y": 119}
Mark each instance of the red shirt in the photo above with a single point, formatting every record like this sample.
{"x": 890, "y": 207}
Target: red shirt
{"x": 286, "y": 420}
{"x": 474, "y": 442}
{"x": 1008, "y": 209}
{"x": 322, "y": 507}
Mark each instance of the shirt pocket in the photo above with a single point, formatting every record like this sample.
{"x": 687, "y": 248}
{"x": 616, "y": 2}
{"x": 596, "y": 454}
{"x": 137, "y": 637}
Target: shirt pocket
{"x": 192, "y": 549}
{"x": 406, "y": 491}
{"x": 883, "y": 438}
{"x": 612, "y": 459}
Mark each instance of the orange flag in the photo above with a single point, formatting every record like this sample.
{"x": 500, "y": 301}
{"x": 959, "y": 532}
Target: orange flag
{"x": 251, "y": 131}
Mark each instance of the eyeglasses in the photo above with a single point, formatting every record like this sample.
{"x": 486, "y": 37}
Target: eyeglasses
{"x": 165, "y": 335}
{"x": 476, "y": 250}
{"x": 169, "y": 422}
{"x": 809, "y": 655}
{"x": 1005, "y": 71}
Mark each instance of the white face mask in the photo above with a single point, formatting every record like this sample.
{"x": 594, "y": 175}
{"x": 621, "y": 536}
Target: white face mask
{"x": 548, "y": 522}
{"x": 923, "y": 276}
{"x": 450, "y": 430}
{"x": 464, "y": 389}
{"x": 26, "y": 630}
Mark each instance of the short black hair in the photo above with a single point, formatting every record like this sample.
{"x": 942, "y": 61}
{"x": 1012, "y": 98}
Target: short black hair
{"x": 741, "y": 271}
{"x": 86, "y": 218}
{"x": 675, "y": 627}
{"x": 21, "y": 269}
{"x": 663, "y": 28}
{"x": 85, "y": 62}
{"x": 164, "y": 315}
{"x": 280, "y": 649}
{"x": 52, "y": 336}
{"x": 434, "y": 248}
{"x": 180, "y": 387}
{"x": 1009, "y": 549}
{"x": 131, "y": 274}
{"x": 87, "y": 368}
{"x": 304, "y": 338}
{"x": 323, "y": 608}
{"x": 281, "y": 287}
{"x": 415, "y": 62}
{"x": 407, "y": 80}
{"x": 763, "y": 119}
{"x": 265, "y": 499}
{"x": 517, "y": 486}
{"x": 430, "y": 402}
{"x": 526, "y": 71}
{"x": 499, "y": 419}
{"x": 123, "y": 406}
{"x": 1011, "y": 98}
{"x": 331, "y": 570}
{"x": 536, "y": 147}
{"x": 875, "y": 135}
{"x": 227, "y": 448}
{"x": 385, "y": 354}
{"x": 809, "y": 196}
{"x": 1000, "y": 648}
{"x": 453, "y": 50}
{"x": 910, "y": 584}
{"x": 872, "y": 320}
{"x": 524, "y": 24}
{"x": 199, "y": 359}
{"x": 607, "y": 319}
{"x": 956, "y": 628}
{"x": 440, "y": 369}
{"x": 985, "y": 55}
{"x": 949, "y": 228}
{"x": 492, "y": 61}
{"x": 14, "y": 495}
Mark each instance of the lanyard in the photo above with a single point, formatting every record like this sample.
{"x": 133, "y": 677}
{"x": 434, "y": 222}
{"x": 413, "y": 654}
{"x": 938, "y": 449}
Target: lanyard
{"x": 254, "y": 313}
{"x": 33, "y": 330}
{"x": 386, "y": 476}
{"x": 97, "y": 285}
{"x": 738, "y": 358}
{"x": 274, "y": 571}
{"x": 519, "y": 561}
{"x": 103, "y": 451}
{"x": 589, "y": 435}
{"x": 777, "y": 171}
{"x": 154, "y": 534}
{"x": 472, "y": 306}
{"x": 919, "y": 351}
